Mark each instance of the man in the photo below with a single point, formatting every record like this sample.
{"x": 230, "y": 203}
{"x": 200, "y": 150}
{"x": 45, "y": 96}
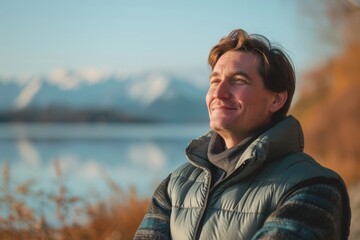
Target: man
{"x": 249, "y": 178}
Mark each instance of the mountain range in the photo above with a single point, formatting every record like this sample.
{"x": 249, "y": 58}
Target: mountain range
{"x": 144, "y": 97}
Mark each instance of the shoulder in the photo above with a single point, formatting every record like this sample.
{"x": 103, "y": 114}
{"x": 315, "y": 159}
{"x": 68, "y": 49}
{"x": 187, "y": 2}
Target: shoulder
{"x": 187, "y": 170}
{"x": 299, "y": 166}
{"x": 184, "y": 178}
{"x": 295, "y": 171}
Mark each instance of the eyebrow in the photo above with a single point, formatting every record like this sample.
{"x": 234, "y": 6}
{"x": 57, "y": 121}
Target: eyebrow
{"x": 241, "y": 73}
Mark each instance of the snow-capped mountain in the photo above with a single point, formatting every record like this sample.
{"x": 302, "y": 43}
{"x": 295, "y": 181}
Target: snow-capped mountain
{"x": 163, "y": 97}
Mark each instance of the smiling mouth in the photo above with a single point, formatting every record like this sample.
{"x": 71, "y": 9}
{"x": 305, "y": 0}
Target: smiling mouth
{"x": 222, "y": 108}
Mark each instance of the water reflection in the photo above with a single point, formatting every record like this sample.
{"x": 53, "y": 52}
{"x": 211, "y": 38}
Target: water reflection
{"x": 131, "y": 155}
{"x": 28, "y": 153}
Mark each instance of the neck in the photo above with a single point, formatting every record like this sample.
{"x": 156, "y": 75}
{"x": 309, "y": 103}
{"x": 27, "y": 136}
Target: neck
{"x": 232, "y": 139}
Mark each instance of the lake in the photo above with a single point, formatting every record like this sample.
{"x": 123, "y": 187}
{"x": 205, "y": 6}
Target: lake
{"x": 136, "y": 155}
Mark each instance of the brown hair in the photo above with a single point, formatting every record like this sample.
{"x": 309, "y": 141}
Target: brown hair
{"x": 276, "y": 68}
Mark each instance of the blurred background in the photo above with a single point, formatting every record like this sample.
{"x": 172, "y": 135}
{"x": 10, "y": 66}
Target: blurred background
{"x": 99, "y": 100}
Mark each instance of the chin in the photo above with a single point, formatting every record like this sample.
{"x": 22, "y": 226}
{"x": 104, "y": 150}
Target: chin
{"x": 218, "y": 126}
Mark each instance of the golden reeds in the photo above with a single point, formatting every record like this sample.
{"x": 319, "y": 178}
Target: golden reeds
{"x": 115, "y": 218}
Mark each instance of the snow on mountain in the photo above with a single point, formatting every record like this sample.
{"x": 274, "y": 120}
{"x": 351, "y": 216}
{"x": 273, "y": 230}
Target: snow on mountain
{"x": 70, "y": 79}
{"x": 27, "y": 93}
{"x": 149, "y": 89}
{"x": 158, "y": 96}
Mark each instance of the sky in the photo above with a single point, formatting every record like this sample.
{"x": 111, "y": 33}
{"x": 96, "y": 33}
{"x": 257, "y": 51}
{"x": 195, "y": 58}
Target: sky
{"x": 40, "y": 37}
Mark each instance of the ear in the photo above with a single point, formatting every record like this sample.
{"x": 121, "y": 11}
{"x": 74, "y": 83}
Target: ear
{"x": 278, "y": 101}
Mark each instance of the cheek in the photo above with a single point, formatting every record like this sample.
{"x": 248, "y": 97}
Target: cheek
{"x": 209, "y": 97}
{"x": 261, "y": 105}
{"x": 245, "y": 97}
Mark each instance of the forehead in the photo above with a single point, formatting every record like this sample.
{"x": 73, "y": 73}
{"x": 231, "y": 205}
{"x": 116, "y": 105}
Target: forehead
{"x": 237, "y": 60}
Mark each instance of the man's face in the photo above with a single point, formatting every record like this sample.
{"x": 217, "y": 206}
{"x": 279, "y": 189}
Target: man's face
{"x": 237, "y": 100}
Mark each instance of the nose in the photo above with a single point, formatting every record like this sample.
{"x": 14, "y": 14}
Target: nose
{"x": 222, "y": 90}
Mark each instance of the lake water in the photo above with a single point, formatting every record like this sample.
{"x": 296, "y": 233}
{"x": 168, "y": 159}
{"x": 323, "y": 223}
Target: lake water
{"x": 138, "y": 155}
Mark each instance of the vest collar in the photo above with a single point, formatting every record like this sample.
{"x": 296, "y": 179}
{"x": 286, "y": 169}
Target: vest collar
{"x": 284, "y": 138}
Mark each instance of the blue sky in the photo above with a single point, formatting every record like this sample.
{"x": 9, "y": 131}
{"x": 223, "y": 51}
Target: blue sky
{"x": 38, "y": 37}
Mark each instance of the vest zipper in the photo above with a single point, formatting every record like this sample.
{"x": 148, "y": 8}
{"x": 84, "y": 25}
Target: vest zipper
{"x": 196, "y": 230}
{"x": 236, "y": 172}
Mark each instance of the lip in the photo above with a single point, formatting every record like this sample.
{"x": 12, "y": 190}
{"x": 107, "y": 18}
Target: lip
{"x": 222, "y": 108}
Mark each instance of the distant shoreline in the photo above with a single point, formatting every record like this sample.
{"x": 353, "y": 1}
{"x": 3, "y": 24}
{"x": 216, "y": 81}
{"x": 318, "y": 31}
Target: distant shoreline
{"x": 71, "y": 115}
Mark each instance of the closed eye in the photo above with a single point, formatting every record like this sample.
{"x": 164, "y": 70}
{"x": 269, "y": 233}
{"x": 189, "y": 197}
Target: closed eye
{"x": 241, "y": 81}
{"x": 241, "y": 77}
{"x": 214, "y": 81}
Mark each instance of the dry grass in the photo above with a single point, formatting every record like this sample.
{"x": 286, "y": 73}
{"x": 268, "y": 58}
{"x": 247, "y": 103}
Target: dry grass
{"x": 115, "y": 218}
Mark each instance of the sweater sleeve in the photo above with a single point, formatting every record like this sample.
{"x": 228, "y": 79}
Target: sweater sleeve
{"x": 155, "y": 224}
{"x": 311, "y": 212}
